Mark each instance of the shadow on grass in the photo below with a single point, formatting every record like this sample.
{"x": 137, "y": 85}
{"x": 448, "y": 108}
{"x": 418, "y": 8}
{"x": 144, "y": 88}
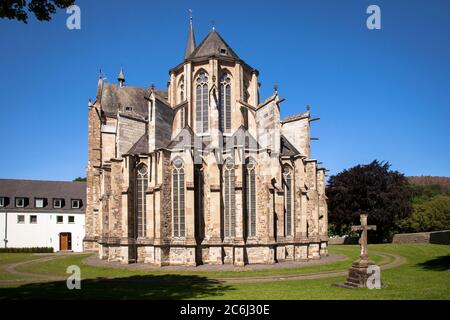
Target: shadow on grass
{"x": 441, "y": 263}
{"x": 163, "y": 287}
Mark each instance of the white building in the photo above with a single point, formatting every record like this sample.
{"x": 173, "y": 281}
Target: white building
{"x": 42, "y": 214}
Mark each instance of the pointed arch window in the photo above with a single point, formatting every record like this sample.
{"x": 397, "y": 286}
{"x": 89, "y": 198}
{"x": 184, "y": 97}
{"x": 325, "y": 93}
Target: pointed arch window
{"x": 287, "y": 189}
{"x": 250, "y": 190}
{"x": 201, "y": 103}
{"x": 178, "y": 199}
{"x": 225, "y": 103}
{"x": 141, "y": 186}
{"x": 229, "y": 199}
{"x": 181, "y": 91}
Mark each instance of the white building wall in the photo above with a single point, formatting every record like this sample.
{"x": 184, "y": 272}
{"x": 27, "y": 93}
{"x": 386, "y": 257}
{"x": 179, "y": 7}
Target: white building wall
{"x": 44, "y": 233}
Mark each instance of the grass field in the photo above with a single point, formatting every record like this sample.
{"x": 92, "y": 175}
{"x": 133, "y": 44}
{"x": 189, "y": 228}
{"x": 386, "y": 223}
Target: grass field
{"x": 424, "y": 275}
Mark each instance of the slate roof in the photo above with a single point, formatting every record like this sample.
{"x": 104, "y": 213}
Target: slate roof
{"x": 190, "y": 45}
{"x": 241, "y": 137}
{"x": 115, "y": 99}
{"x": 31, "y": 189}
{"x": 141, "y": 146}
{"x": 287, "y": 149}
{"x": 296, "y": 117}
{"x": 211, "y": 46}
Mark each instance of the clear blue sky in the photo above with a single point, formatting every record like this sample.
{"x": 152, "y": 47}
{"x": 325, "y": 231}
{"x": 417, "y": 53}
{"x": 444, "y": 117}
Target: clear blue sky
{"x": 381, "y": 94}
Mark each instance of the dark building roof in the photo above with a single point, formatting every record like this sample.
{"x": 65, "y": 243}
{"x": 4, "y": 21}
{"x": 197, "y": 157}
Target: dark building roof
{"x": 49, "y": 190}
{"x": 190, "y": 45}
{"x": 287, "y": 149}
{"x": 213, "y": 46}
{"x": 115, "y": 99}
{"x": 141, "y": 146}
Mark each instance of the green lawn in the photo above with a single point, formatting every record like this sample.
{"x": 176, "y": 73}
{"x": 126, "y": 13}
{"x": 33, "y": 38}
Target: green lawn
{"x": 425, "y": 275}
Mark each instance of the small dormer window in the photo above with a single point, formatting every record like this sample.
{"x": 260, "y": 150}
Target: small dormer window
{"x": 223, "y": 52}
{"x": 128, "y": 109}
{"x": 76, "y": 203}
{"x": 20, "y": 202}
{"x": 39, "y": 202}
{"x": 57, "y": 203}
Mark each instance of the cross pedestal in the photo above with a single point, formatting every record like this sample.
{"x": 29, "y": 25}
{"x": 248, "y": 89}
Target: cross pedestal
{"x": 357, "y": 274}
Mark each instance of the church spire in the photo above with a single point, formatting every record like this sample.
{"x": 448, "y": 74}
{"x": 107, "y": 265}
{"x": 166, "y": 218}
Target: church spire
{"x": 121, "y": 78}
{"x": 190, "y": 45}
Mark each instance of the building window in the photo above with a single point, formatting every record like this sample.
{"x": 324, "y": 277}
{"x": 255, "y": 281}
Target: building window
{"x": 181, "y": 90}
{"x": 59, "y": 219}
{"x": 39, "y": 202}
{"x": 20, "y": 218}
{"x": 201, "y": 103}
{"x": 76, "y": 203}
{"x": 229, "y": 199}
{"x": 57, "y": 203}
{"x": 250, "y": 189}
{"x": 2, "y": 202}
{"x": 71, "y": 219}
{"x": 287, "y": 189}
{"x": 141, "y": 187}
{"x": 182, "y": 117}
{"x": 33, "y": 219}
{"x": 225, "y": 103}
{"x": 178, "y": 198}
{"x": 20, "y": 202}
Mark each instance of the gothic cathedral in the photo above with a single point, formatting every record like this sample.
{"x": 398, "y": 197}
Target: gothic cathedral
{"x": 203, "y": 172}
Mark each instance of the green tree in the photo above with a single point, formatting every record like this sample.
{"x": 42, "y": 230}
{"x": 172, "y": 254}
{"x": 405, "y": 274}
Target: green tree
{"x": 80, "y": 179}
{"x": 42, "y": 9}
{"x": 374, "y": 189}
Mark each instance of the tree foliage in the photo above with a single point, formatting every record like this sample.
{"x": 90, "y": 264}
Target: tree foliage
{"x": 79, "y": 179}
{"x": 42, "y": 9}
{"x": 373, "y": 189}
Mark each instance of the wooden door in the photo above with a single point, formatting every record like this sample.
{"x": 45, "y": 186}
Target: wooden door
{"x": 65, "y": 241}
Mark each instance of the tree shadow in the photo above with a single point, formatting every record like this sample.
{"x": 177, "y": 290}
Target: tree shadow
{"x": 441, "y": 263}
{"x": 159, "y": 287}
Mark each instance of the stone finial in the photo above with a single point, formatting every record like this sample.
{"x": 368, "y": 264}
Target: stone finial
{"x": 275, "y": 87}
{"x": 152, "y": 86}
{"x": 308, "y": 107}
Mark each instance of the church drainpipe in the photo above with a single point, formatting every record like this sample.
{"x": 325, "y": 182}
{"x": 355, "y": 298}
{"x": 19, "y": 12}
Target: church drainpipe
{"x": 6, "y": 230}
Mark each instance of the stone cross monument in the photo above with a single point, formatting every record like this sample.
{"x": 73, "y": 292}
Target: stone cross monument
{"x": 363, "y": 257}
{"x": 358, "y": 273}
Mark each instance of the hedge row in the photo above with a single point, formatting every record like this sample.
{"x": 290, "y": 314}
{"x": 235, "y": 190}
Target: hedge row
{"x": 27, "y": 250}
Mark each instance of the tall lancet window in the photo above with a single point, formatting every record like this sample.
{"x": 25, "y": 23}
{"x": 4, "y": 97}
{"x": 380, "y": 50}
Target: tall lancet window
{"x": 287, "y": 189}
{"x": 141, "y": 186}
{"x": 229, "y": 199}
{"x": 250, "y": 190}
{"x": 178, "y": 199}
{"x": 201, "y": 103}
{"x": 225, "y": 103}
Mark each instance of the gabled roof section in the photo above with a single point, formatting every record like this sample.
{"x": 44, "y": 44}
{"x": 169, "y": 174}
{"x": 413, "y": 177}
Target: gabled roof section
{"x": 185, "y": 138}
{"x": 287, "y": 149}
{"x": 296, "y": 117}
{"x": 141, "y": 146}
{"x": 213, "y": 46}
{"x": 241, "y": 137}
{"x": 115, "y": 98}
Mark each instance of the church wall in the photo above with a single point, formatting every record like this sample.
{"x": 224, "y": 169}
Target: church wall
{"x": 298, "y": 133}
{"x": 129, "y": 132}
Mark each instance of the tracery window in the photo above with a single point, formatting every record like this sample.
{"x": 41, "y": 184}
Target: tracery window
{"x": 201, "y": 103}
{"x": 287, "y": 189}
{"x": 141, "y": 186}
{"x": 178, "y": 198}
{"x": 250, "y": 190}
{"x": 225, "y": 103}
{"x": 229, "y": 199}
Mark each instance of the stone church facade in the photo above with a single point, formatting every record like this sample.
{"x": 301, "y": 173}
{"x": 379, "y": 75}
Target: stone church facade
{"x": 203, "y": 172}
